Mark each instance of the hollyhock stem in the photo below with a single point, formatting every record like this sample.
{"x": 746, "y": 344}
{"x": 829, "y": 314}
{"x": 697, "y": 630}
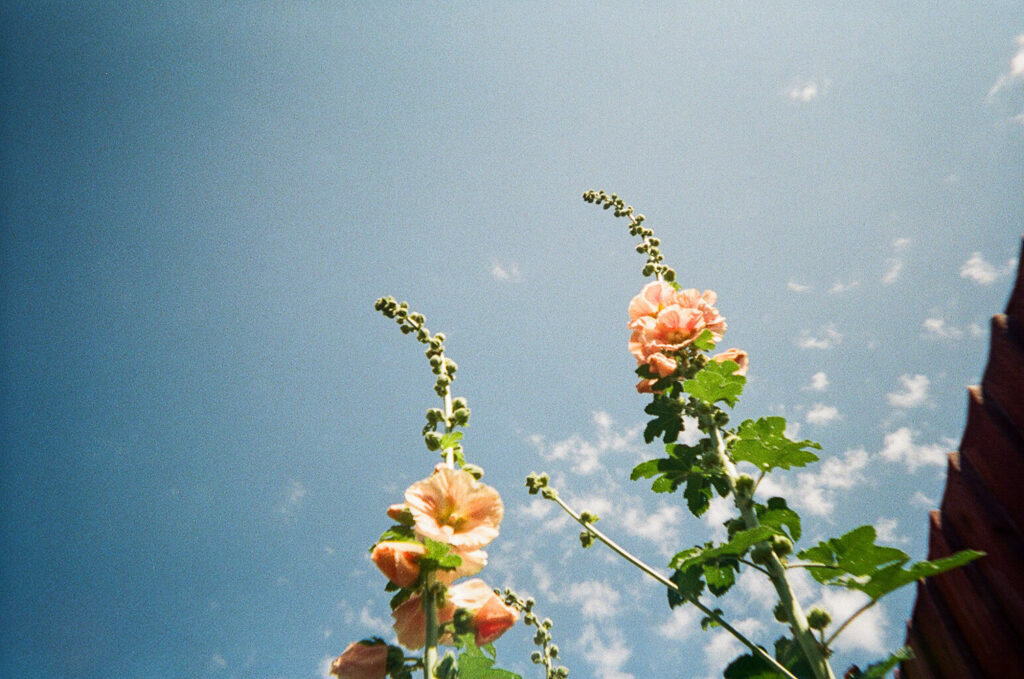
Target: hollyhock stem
{"x": 430, "y": 609}
{"x": 449, "y": 453}
{"x": 615, "y": 547}
{"x": 776, "y": 571}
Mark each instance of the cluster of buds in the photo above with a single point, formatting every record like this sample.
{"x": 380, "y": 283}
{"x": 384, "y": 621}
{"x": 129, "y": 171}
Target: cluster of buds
{"x": 410, "y": 322}
{"x": 649, "y": 245}
{"x": 542, "y": 639}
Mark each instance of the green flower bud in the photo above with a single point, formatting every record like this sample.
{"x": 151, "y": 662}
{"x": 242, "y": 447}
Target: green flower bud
{"x": 586, "y": 539}
{"x": 782, "y": 545}
{"x": 433, "y": 440}
{"x": 553, "y": 651}
{"x": 461, "y": 417}
{"x": 476, "y": 472}
{"x": 459, "y": 403}
{"x": 462, "y": 621}
{"x": 648, "y": 270}
{"x": 588, "y": 517}
{"x": 536, "y": 658}
{"x": 818, "y": 618}
{"x": 780, "y": 613}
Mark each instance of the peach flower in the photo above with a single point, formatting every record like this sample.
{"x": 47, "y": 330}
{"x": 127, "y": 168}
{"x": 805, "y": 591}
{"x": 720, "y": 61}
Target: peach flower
{"x": 453, "y": 507}
{"x": 738, "y": 356}
{"x": 399, "y": 561}
{"x": 490, "y": 616}
{"x": 665, "y": 320}
{"x": 362, "y": 660}
{"x": 653, "y": 298}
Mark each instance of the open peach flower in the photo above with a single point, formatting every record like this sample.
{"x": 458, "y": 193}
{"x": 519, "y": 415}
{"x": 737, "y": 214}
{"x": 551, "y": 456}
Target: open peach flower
{"x": 451, "y": 506}
{"x": 491, "y": 617}
{"x": 738, "y": 356}
{"x": 399, "y": 561}
{"x": 665, "y": 320}
{"x": 362, "y": 660}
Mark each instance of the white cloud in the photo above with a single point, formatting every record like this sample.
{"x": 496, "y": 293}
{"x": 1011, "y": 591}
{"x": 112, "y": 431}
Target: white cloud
{"x": 508, "y": 272}
{"x": 324, "y": 668}
{"x": 914, "y": 393}
{"x": 830, "y": 337}
{"x": 892, "y": 271}
{"x": 719, "y": 511}
{"x": 977, "y": 269}
{"x": 290, "y": 506}
{"x": 816, "y": 491}
{"x": 723, "y": 647}
{"x": 839, "y": 287}
{"x": 822, "y": 414}
{"x": 899, "y": 446}
{"x": 218, "y": 661}
{"x": 1015, "y": 73}
{"x": 596, "y": 599}
{"x": 976, "y": 330}
{"x": 819, "y": 382}
{"x": 937, "y": 328}
{"x": 885, "y": 530}
{"x": 377, "y": 625}
{"x": 681, "y": 624}
{"x": 585, "y": 456}
{"x": 866, "y": 633}
{"x": 807, "y": 91}
{"x": 606, "y": 650}
{"x": 900, "y": 244}
{"x": 923, "y": 500}
{"x": 659, "y": 527}
{"x": 797, "y": 287}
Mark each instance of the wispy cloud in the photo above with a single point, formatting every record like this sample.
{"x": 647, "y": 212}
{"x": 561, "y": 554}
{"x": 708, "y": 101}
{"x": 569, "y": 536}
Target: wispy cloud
{"x": 371, "y": 622}
{"x": 722, "y": 648}
{"x": 296, "y": 492}
{"x": 893, "y": 266}
{"x": 797, "y": 287}
{"x": 899, "y": 447}
{"x": 827, "y": 338}
{"x": 815, "y": 491}
{"x": 977, "y": 269}
{"x": 681, "y": 624}
{"x": 584, "y": 455}
{"x": 819, "y": 382}
{"x": 806, "y": 91}
{"x": 506, "y": 272}
{"x": 1016, "y": 72}
{"x": 900, "y": 244}
{"x": 606, "y": 649}
{"x": 914, "y": 392}
{"x": 822, "y": 414}
{"x": 937, "y": 328}
{"x": 840, "y": 287}
{"x": 923, "y": 500}
{"x": 885, "y": 530}
{"x": 596, "y": 599}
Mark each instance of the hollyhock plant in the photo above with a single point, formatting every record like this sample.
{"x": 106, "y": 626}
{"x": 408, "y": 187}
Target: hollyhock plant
{"x": 362, "y": 660}
{"x": 489, "y": 617}
{"x": 451, "y": 506}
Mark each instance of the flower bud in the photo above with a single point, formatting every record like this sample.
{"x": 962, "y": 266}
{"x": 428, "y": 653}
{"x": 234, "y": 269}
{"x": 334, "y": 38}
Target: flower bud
{"x": 761, "y": 554}
{"x": 399, "y": 561}
{"x": 362, "y": 660}
{"x": 818, "y": 618}
{"x": 781, "y": 545}
{"x": 780, "y": 613}
{"x": 745, "y": 484}
{"x": 433, "y": 440}
{"x": 476, "y": 471}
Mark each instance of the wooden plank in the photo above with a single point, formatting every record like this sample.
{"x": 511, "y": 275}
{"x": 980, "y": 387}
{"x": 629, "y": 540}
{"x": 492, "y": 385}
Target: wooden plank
{"x": 992, "y": 448}
{"x": 939, "y": 644}
{"x": 974, "y": 610}
{"x": 919, "y": 667}
{"x": 1003, "y": 383}
{"x": 971, "y": 519}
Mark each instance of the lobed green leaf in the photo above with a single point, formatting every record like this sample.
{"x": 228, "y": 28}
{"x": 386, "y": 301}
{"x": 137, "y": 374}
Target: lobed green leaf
{"x": 716, "y": 382}
{"x": 763, "y": 443}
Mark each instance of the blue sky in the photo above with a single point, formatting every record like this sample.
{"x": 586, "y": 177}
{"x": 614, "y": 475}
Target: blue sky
{"x": 203, "y": 419}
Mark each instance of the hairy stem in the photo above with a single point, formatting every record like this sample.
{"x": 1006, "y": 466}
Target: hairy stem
{"x": 615, "y": 547}
{"x": 430, "y": 646}
{"x": 776, "y": 571}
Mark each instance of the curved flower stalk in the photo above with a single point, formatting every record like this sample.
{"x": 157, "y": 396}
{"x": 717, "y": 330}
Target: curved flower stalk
{"x": 672, "y": 334}
{"x": 442, "y": 526}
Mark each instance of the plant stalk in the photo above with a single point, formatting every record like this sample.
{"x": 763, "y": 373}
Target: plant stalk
{"x": 615, "y": 547}
{"x": 430, "y": 645}
{"x": 776, "y": 571}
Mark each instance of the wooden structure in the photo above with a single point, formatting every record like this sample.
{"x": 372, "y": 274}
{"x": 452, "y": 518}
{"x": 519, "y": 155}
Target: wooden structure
{"x": 969, "y": 623}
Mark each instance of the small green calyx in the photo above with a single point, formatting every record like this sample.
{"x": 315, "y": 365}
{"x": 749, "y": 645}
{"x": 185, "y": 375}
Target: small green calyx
{"x": 536, "y": 482}
{"x": 818, "y": 618}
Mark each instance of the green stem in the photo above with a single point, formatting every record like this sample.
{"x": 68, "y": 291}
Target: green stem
{"x": 757, "y": 650}
{"x": 430, "y": 645}
{"x": 776, "y": 571}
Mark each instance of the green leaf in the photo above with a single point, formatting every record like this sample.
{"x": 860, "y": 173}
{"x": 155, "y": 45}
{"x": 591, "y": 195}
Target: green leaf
{"x": 740, "y": 543}
{"x": 690, "y": 586}
{"x": 883, "y": 667}
{"x": 439, "y": 556}
{"x": 474, "y": 663}
{"x": 397, "y": 533}
{"x": 668, "y": 420}
{"x": 764, "y": 444}
{"x": 673, "y": 470}
{"x": 853, "y": 554}
{"x": 707, "y": 622}
{"x": 777, "y": 515}
{"x": 749, "y": 667}
{"x": 450, "y": 439}
{"x": 716, "y": 382}
{"x": 705, "y": 341}
{"x": 697, "y": 494}
{"x": 720, "y": 578}
{"x": 893, "y": 577}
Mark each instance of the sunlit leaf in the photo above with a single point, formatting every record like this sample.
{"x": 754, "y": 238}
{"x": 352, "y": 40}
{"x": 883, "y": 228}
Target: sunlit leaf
{"x": 716, "y": 382}
{"x": 763, "y": 443}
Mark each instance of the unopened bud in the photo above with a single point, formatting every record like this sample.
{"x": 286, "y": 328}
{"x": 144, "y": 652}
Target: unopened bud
{"x": 781, "y": 545}
{"x": 818, "y": 618}
{"x": 745, "y": 484}
{"x": 780, "y": 612}
{"x": 433, "y": 440}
